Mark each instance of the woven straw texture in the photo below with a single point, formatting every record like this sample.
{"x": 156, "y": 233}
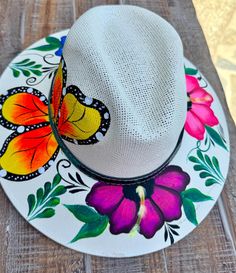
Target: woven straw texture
{"x": 132, "y": 60}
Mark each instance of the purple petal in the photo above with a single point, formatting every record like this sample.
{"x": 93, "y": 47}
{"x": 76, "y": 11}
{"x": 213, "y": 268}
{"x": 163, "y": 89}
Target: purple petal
{"x": 124, "y": 217}
{"x": 152, "y": 220}
{"x": 104, "y": 198}
{"x": 168, "y": 201}
{"x": 174, "y": 178}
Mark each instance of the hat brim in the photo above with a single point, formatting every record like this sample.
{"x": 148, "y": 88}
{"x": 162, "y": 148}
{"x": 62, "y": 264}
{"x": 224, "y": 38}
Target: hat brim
{"x": 91, "y": 216}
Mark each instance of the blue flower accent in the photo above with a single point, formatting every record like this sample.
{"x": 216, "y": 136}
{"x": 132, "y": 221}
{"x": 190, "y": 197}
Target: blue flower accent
{"x": 62, "y": 42}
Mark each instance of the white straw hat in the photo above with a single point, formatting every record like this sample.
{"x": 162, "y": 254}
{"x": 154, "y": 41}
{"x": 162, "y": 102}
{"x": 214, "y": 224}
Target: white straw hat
{"x": 129, "y": 135}
{"x": 136, "y": 70}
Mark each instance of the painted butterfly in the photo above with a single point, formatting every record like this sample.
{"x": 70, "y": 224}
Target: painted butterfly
{"x": 31, "y": 149}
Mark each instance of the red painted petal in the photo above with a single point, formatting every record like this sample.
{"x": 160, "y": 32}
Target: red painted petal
{"x": 168, "y": 201}
{"x": 173, "y": 177}
{"x": 124, "y": 217}
{"x": 152, "y": 220}
{"x": 29, "y": 151}
{"x": 191, "y": 83}
{"x": 201, "y": 96}
{"x": 104, "y": 197}
{"x": 205, "y": 114}
{"x": 24, "y": 109}
{"x": 194, "y": 126}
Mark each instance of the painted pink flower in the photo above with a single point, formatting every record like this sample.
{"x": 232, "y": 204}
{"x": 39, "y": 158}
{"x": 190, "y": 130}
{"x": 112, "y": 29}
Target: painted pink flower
{"x": 141, "y": 207}
{"x": 199, "y": 111}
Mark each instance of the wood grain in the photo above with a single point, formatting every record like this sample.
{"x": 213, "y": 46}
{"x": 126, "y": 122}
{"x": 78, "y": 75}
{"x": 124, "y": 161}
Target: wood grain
{"x": 22, "y": 248}
{"x": 81, "y": 6}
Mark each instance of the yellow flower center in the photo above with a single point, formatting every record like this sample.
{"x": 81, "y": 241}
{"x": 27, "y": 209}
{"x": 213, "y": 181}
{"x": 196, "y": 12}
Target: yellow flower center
{"x": 142, "y": 209}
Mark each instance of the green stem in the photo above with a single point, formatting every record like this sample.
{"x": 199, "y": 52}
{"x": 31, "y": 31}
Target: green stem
{"x": 198, "y": 147}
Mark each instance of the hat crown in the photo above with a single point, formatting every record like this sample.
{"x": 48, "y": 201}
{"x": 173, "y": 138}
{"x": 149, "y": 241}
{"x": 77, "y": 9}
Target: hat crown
{"x": 131, "y": 60}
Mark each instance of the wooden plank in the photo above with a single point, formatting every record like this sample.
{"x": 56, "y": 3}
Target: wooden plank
{"x": 4, "y": 204}
{"x": 81, "y": 6}
{"x": 44, "y": 17}
{"x": 158, "y": 6}
{"x": 152, "y": 263}
{"x": 10, "y": 35}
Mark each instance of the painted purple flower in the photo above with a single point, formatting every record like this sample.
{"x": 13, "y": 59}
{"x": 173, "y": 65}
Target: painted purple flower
{"x": 142, "y": 207}
{"x": 62, "y": 42}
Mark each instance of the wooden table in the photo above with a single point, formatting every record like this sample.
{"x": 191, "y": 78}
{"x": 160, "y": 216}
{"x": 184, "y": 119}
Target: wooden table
{"x": 209, "y": 248}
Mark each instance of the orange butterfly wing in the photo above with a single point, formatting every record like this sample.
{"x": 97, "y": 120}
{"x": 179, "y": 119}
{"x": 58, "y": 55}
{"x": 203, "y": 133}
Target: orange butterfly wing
{"x": 30, "y": 150}
{"x": 25, "y": 109}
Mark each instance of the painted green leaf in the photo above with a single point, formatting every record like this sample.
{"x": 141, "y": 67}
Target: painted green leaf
{"x": 200, "y": 155}
{"x": 83, "y": 213}
{"x": 36, "y": 66}
{"x": 53, "y": 202}
{"x": 199, "y": 168}
{"x": 204, "y": 174}
{"x": 58, "y": 191}
{"x": 41, "y": 204}
{"x": 92, "y": 229}
{"x": 53, "y": 41}
{"x": 195, "y": 195}
{"x": 189, "y": 210}
{"x": 47, "y": 188}
{"x": 31, "y": 203}
{"x": 210, "y": 181}
{"x": 16, "y": 73}
{"x": 208, "y": 161}
{"x": 216, "y": 163}
{"x": 30, "y": 63}
{"x": 190, "y": 71}
{"x": 39, "y": 195}
{"x": 46, "y": 47}
{"x": 25, "y": 72}
{"x": 46, "y": 213}
{"x": 26, "y": 67}
{"x": 221, "y": 131}
{"x": 216, "y": 137}
{"x": 36, "y": 72}
{"x": 23, "y": 62}
{"x": 56, "y": 180}
{"x": 193, "y": 159}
